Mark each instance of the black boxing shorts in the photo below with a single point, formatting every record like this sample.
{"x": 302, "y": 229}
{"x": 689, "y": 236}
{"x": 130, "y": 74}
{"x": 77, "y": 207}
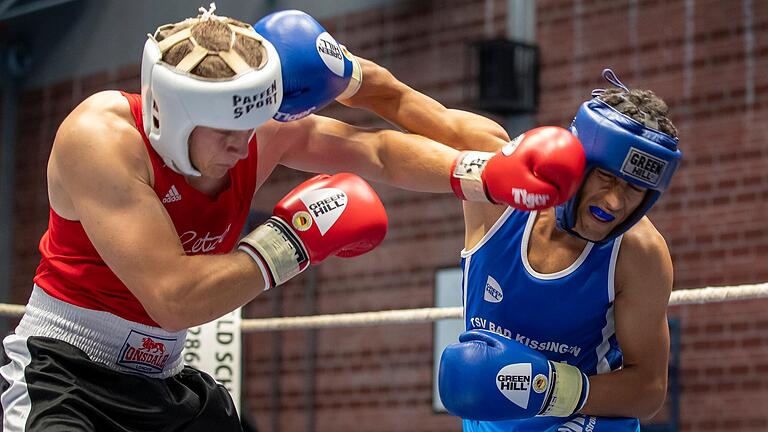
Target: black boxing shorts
{"x": 50, "y": 385}
{"x": 69, "y": 368}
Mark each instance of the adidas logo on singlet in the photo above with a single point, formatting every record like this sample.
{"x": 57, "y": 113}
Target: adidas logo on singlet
{"x": 173, "y": 195}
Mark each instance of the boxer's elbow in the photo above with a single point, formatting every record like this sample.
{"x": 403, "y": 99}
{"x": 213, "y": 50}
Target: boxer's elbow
{"x": 651, "y": 398}
{"x": 163, "y": 301}
{"x": 169, "y": 317}
{"x": 168, "y": 321}
{"x": 167, "y": 314}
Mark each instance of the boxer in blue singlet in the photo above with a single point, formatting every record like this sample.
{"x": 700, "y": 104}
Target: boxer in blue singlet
{"x": 565, "y": 308}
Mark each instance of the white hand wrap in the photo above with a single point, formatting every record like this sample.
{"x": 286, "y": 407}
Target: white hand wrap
{"x": 466, "y": 178}
{"x": 356, "y": 80}
{"x": 277, "y": 250}
{"x": 570, "y": 385}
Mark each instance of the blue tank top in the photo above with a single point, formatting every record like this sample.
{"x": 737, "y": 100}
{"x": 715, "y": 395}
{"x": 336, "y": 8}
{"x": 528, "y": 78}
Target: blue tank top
{"x": 567, "y": 316}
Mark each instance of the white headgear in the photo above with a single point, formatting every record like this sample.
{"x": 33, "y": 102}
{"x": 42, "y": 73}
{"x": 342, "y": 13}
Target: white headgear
{"x": 175, "y": 101}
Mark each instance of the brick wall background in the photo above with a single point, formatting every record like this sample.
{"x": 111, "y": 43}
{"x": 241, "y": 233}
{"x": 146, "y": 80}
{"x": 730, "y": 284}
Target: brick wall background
{"x": 708, "y": 59}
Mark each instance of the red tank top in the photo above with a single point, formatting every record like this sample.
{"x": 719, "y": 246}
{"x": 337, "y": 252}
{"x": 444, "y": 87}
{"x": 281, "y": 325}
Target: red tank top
{"x": 71, "y": 269}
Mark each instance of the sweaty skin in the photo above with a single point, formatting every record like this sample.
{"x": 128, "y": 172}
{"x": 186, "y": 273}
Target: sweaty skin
{"x": 639, "y": 388}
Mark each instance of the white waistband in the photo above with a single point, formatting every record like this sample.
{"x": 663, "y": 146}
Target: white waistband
{"x": 117, "y": 343}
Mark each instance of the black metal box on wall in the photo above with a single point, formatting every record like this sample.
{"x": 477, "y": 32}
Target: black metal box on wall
{"x": 506, "y": 77}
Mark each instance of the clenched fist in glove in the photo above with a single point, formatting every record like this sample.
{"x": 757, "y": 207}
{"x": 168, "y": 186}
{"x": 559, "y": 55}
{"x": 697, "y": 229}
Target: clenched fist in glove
{"x": 316, "y": 68}
{"x": 487, "y": 376}
{"x": 326, "y": 215}
{"x": 539, "y": 169}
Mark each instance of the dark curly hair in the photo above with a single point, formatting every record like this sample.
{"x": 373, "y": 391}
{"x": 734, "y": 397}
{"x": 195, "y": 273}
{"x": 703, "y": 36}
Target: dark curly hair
{"x": 643, "y": 106}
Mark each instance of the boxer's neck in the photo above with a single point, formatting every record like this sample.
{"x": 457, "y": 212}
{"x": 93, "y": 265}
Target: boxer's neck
{"x": 550, "y": 249}
{"x": 211, "y": 187}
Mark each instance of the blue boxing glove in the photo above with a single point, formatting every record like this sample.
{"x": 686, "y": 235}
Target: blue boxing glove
{"x": 316, "y": 69}
{"x": 490, "y": 377}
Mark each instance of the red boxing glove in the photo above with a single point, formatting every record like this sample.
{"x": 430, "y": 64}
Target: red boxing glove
{"x": 326, "y": 215}
{"x": 539, "y": 169}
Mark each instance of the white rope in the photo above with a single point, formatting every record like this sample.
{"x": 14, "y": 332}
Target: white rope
{"x": 401, "y": 316}
{"x": 410, "y": 316}
{"x": 11, "y": 310}
{"x": 716, "y": 294}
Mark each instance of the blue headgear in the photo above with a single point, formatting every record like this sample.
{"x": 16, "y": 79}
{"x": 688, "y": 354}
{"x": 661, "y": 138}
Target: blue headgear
{"x": 625, "y": 148}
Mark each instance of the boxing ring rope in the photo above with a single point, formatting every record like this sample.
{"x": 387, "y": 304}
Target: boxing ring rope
{"x": 410, "y": 316}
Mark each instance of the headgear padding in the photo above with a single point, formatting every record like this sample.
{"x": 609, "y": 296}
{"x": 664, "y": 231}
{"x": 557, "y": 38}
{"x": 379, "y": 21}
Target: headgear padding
{"x": 625, "y": 148}
{"x": 174, "y": 101}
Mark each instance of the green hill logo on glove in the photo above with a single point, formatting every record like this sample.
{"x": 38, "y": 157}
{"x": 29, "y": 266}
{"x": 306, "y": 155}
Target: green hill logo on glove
{"x": 514, "y": 382}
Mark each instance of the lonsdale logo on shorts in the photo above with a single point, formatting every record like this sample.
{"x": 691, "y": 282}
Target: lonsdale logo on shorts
{"x": 530, "y": 200}
{"x": 514, "y": 382}
{"x": 644, "y": 167}
{"x": 244, "y": 104}
{"x": 325, "y": 206}
{"x": 146, "y": 353}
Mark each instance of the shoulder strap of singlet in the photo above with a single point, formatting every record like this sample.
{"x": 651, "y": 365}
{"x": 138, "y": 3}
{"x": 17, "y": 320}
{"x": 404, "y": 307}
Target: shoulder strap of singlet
{"x": 134, "y": 101}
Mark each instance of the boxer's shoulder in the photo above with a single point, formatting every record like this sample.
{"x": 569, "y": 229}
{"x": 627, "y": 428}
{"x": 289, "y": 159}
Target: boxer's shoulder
{"x": 643, "y": 241}
{"x": 107, "y": 107}
{"x": 644, "y": 258}
{"x": 100, "y": 132}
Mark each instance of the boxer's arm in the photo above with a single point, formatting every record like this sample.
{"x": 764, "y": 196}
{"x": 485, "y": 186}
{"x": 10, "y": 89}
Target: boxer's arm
{"x": 95, "y": 160}
{"x": 408, "y": 161}
{"x": 382, "y": 93}
{"x": 643, "y": 287}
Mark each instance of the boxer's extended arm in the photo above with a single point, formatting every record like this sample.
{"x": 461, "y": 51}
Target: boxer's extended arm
{"x": 96, "y": 162}
{"x": 643, "y": 287}
{"x": 542, "y": 169}
{"x": 408, "y": 161}
{"x": 382, "y": 93}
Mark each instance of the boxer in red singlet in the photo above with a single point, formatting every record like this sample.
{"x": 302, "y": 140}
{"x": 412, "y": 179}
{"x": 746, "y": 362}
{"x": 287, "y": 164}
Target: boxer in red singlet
{"x": 147, "y": 203}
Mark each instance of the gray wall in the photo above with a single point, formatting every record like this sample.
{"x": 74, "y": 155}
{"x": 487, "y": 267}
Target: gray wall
{"x": 88, "y": 36}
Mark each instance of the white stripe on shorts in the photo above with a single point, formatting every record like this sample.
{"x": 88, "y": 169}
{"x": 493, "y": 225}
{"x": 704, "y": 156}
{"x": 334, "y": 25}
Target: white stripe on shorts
{"x": 15, "y": 400}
